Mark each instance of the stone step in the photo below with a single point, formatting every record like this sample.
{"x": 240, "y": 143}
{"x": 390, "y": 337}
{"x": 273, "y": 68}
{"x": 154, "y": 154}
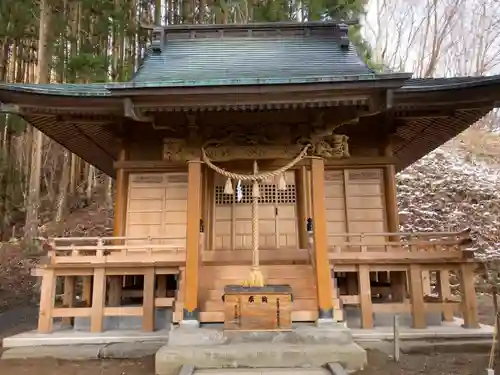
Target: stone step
{"x": 170, "y": 359}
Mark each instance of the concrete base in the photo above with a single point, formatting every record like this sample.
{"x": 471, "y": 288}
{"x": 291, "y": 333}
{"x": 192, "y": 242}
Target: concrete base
{"x": 163, "y": 317}
{"x": 306, "y": 346}
{"x": 189, "y": 323}
{"x": 353, "y": 318}
{"x": 85, "y": 352}
{"x": 448, "y": 330}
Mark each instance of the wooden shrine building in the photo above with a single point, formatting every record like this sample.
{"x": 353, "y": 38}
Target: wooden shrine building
{"x": 261, "y": 155}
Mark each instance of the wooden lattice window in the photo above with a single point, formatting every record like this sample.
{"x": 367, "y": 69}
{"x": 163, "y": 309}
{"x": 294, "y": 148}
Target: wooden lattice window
{"x": 269, "y": 194}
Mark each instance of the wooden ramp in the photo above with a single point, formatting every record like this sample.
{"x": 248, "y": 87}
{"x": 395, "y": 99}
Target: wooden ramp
{"x": 213, "y": 279}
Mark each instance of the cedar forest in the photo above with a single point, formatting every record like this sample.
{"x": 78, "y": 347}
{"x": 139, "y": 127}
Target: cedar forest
{"x": 83, "y": 41}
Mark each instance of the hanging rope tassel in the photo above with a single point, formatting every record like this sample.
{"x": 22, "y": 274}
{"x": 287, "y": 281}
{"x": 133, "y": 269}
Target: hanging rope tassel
{"x": 256, "y": 277}
{"x": 228, "y": 188}
{"x": 282, "y": 182}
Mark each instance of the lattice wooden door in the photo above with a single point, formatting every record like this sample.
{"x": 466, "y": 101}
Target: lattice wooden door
{"x": 277, "y": 216}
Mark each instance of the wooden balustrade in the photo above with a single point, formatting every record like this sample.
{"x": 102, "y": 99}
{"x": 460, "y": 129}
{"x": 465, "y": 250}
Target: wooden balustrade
{"x": 359, "y": 253}
{"x": 346, "y": 248}
{"x": 81, "y": 251}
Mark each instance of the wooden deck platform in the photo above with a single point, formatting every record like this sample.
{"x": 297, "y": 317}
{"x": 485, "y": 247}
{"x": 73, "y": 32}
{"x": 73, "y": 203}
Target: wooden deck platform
{"x": 357, "y": 261}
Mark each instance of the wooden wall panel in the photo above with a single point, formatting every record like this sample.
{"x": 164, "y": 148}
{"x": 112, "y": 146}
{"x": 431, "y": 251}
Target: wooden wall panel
{"x": 354, "y": 203}
{"x": 365, "y": 201}
{"x": 157, "y": 207}
{"x": 335, "y": 206}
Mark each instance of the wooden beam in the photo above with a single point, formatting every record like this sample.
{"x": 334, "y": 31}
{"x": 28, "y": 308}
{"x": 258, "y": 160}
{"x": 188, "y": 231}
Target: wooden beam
{"x": 190, "y": 310}
{"x": 323, "y": 272}
{"x": 168, "y": 166}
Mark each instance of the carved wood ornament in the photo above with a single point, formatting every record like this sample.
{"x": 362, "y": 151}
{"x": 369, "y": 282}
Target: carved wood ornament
{"x": 334, "y": 146}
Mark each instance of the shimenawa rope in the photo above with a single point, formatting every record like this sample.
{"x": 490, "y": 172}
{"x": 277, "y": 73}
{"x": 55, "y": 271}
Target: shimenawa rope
{"x": 256, "y": 278}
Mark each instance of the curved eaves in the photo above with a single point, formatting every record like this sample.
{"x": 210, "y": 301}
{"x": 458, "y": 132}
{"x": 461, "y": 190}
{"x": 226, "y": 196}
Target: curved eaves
{"x": 91, "y": 142}
{"x": 418, "y": 137}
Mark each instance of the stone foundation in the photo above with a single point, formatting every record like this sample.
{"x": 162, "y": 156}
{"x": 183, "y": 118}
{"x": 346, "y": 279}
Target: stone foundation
{"x": 213, "y": 348}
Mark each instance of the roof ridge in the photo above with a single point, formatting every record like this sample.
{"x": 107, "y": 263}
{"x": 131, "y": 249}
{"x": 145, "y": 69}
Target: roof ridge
{"x": 253, "y": 26}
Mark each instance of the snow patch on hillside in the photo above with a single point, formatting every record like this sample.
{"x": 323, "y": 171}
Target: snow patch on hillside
{"x": 450, "y": 190}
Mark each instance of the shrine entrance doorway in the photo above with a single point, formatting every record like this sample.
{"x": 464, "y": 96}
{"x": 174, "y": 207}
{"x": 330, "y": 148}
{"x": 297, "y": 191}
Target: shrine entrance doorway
{"x": 277, "y": 215}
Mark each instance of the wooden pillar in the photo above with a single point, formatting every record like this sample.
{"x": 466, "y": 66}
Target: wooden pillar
{"x": 87, "y": 290}
{"x": 302, "y": 213}
{"x": 444, "y": 292}
{"x": 469, "y": 299}
{"x": 417, "y": 297}
{"x": 365, "y": 296}
{"x": 321, "y": 261}
{"x": 209, "y": 204}
{"x": 47, "y": 295}
{"x": 69, "y": 296}
{"x": 116, "y": 282}
{"x": 98, "y": 300}
{"x": 390, "y": 188}
{"x": 352, "y": 288}
{"x": 190, "y": 312}
{"x": 148, "y": 301}
{"x": 398, "y": 286}
{"x": 397, "y": 278}
{"x": 161, "y": 291}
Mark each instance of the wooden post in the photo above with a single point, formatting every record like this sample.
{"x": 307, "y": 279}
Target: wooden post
{"x": 391, "y": 200}
{"x": 397, "y": 278}
{"x": 210, "y": 209}
{"x": 116, "y": 282}
{"x": 444, "y": 292}
{"x": 302, "y": 214}
{"x": 321, "y": 261}
{"x": 469, "y": 299}
{"x": 161, "y": 291}
{"x": 47, "y": 294}
{"x": 87, "y": 290}
{"x": 69, "y": 296}
{"x": 190, "y": 312}
{"x": 148, "y": 301}
{"x": 352, "y": 284}
{"x": 398, "y": 286}
{"x": 417, "y": 297}
{"x": 98, "y": 300}
{"x": 365, "y": 296}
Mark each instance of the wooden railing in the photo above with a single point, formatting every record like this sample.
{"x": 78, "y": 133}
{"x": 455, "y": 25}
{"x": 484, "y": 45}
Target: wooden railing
{"x": 115, "y": 250}
{"x": 344, "y": 248}
{"x": 400, "y": 247}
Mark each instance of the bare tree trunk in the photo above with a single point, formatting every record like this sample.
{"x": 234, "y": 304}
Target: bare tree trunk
{"x": 109, "y": 192}
{"x": 44, "y": 56}
{"x": 63, "y": 187}
{"x": 90, "y": 182}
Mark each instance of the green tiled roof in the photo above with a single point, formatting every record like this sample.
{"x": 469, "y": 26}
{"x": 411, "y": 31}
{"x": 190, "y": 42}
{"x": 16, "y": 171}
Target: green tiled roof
{"x": 68, "y": 89}
{"x": 248, "y": 60}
